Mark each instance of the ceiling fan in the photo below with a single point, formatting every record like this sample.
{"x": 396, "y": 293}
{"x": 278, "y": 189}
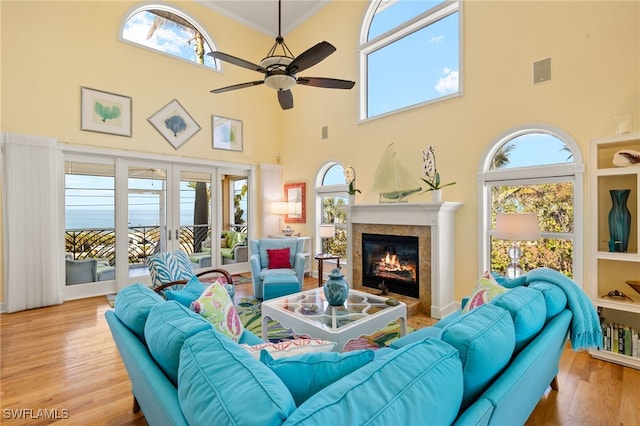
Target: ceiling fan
{"x": 280, "y": 71}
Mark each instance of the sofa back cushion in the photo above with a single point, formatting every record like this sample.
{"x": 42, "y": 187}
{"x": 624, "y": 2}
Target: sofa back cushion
{"x": 528, "y": 311}
{"x": 554, "y": 297}
{"x": 132, "y": 306}
{"x": 220, "y": 383}
{"x": 168, "y": 326}
{"x": 418, "y": 384}
{"x": 485, "y": 339}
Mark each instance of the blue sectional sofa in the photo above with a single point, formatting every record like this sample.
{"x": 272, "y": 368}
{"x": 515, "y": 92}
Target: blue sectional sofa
{"x": 488, "y": 366}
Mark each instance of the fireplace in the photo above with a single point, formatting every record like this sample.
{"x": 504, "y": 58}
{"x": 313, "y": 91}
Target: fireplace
{"x": 392, "y": 260}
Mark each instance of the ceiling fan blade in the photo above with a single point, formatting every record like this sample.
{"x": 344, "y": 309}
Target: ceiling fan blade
{"x": 237, "y": 61}
{"x": 238, "y": 86}
{"x": 329, "y": 83}
{"x": 310, "y": 57}
{"x": 285, "y": 97}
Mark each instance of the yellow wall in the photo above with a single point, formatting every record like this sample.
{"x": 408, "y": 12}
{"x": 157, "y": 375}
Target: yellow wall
{"x": 50, "y": 49}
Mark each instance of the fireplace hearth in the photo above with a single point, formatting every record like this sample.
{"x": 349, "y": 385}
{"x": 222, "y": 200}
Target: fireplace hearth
{"x": 391, "y": 260}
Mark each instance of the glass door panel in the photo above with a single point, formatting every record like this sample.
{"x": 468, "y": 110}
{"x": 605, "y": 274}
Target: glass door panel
{"x": 90, "y": 237}
{"x": 196, "y": 218}
{"x": 147, "y": 216}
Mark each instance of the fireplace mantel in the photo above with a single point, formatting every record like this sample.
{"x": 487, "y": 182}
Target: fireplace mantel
{"x": 439, "y": 218}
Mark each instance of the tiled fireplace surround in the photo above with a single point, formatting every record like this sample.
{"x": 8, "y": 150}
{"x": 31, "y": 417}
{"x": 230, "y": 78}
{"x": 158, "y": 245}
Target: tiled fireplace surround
{"x": 433, "y": 224}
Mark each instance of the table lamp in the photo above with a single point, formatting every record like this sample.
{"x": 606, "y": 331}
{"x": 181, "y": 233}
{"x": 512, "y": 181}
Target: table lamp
{"x": 326, "y": 232}
{"x": 516, "y": 227}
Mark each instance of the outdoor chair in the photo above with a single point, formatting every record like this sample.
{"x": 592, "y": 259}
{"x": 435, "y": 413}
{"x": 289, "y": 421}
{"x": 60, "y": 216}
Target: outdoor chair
{"x": 172, "y": 269}
{"x": 81, "y": 271}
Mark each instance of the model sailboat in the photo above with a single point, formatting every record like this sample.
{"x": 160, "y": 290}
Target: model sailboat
{"x": 392, "y": 181}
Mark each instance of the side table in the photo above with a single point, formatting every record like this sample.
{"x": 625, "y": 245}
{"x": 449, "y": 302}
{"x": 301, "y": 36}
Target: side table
{"x": 321, "y": 257}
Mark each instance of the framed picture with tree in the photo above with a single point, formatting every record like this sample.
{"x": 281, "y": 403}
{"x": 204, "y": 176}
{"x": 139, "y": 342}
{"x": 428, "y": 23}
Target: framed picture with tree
{"x": 174, "y": 123}
{"x": 105, "y": 112}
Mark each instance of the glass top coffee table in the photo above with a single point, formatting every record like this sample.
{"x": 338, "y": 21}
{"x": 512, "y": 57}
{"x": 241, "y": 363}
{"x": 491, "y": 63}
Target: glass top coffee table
{"x": 308, "y": 313}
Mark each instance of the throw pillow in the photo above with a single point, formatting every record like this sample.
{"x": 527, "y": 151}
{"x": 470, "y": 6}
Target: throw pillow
{"x": 486, "y": 289}
{"x": 216, "y": 306}
{"x": 306, "y": 374}
{"x": 279, "y": 258}
{"x": 291, "y": 347}
{"x": 223, "y": 243}
{"x": 187, "y": 295}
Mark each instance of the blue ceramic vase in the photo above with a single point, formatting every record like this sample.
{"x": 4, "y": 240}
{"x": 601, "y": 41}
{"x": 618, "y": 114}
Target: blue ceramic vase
{"x": 336, "y": 289}
{"x": 619, "y": 220}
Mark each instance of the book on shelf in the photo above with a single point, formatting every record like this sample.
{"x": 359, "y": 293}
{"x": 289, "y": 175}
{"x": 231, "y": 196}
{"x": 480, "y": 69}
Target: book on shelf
{"x": 620, "y": 339}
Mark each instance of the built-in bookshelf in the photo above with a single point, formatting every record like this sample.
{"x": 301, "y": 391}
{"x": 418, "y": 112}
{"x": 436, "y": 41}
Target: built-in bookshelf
{"x": 610, "y": 270}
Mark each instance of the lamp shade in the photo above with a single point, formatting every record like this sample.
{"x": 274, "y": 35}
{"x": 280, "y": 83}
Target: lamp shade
{"x": 279, "y": 207}
{"x": 327, "y": 231}
{"x": 517, "y": 226}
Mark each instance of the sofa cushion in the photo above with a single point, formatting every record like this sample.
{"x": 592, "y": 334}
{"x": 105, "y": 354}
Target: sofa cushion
{"x": 387, "y": 392}
{"x": 528, "y": 311}
{"x": 304, "y": 375}
{"x": 216, "y": 306}
{"x": 485, "y": 339}
{"x": 485, "y": 290}
{"x": 186, "y": 295}
{"x": 168, "y": 326}
{"x": 220, "y": 383}
{"x": 554, "y": 297}
{"x": 132, "y": 306}
{"x": 290, "y": 347}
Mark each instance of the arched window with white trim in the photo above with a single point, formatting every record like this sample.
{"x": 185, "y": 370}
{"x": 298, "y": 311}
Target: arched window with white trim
{"x": 533, "y": 169}
{"x": 331, "y": 198}
{"x": 167, "y": 30}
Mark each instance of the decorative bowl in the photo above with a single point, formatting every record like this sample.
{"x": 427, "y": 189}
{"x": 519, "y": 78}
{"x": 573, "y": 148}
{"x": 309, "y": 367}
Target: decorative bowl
{"x": 634, "y": 285}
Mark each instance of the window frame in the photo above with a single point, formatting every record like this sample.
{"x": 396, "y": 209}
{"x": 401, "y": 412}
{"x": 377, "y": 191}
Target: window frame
{"x": 531, "y": 175}
{"x": 446, "y": 8}
{"x": 165, "y": 8}
{"x": 321, "y": 191}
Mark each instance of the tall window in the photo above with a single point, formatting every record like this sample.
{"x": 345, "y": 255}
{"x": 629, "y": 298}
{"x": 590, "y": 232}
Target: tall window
{"x": 331, "y": 198}
{"x": 169, "y": 31}
{"x": 534, "y": 170}
{"x": 410, "y": 49}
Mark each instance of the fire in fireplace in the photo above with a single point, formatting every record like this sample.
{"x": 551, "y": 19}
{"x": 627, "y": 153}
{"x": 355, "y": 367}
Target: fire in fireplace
{"x": 392, "y": 259}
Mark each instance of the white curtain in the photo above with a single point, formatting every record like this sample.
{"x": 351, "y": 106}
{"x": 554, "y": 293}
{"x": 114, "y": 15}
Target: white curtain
{"x": 31, "y": 222}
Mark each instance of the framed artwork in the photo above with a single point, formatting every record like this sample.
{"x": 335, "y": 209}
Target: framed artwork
{"x": 105, "y": 112}
{"x": 174, "y": 123}
{"x": 227, "y": 133}
{"x": 295, "y": 194}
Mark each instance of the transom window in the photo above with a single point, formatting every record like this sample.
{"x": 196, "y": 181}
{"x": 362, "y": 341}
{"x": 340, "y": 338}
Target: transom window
{"x": 169, "y": 31}
{"x": 409, "y": 54}
{"x": 534, "y": 170}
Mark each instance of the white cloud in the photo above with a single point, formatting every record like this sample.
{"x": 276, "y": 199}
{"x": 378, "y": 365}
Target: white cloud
{"x": 436, "y": 39}
{"x": 448, "y": 83}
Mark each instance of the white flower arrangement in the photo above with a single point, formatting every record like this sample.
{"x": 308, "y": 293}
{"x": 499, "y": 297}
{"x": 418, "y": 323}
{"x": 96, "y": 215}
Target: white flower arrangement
{"x": 432, "y": 177}
{"x": 350, "y": 178}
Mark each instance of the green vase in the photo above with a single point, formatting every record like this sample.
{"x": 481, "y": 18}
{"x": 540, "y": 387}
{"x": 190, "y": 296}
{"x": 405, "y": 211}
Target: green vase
{"x": 619, "y": 220}
{"x": 336, "y": 289}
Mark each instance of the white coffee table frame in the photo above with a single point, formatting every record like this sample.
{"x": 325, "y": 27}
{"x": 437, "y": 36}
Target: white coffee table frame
{"x": 361, "y": 315}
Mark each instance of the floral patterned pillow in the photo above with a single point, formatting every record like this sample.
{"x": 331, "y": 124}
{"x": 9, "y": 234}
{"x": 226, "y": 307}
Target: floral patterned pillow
{"x": 486, "y": 289}
{"x": 216, "y": 306}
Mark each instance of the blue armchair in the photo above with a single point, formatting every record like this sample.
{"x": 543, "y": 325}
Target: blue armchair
{"x": 259, "y": 260}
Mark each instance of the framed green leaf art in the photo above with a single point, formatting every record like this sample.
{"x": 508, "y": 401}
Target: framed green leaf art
{"x": 227, "y": 133}
{"x": 174, "y": 123}
{"x": 105, "y": 112}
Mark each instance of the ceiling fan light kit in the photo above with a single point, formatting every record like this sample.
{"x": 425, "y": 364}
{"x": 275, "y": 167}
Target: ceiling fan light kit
{"x": 280, "y": 71}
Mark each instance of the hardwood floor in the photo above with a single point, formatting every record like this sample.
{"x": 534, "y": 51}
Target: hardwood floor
{"x": 61, "y": 361}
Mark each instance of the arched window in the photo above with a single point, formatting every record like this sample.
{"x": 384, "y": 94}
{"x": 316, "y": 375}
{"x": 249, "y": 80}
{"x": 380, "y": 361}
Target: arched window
{"x": 409, "y": 54}
{"x": 331, "y": 197}
{"x": 533, "y": 169}
{"x": 167, "y": 30}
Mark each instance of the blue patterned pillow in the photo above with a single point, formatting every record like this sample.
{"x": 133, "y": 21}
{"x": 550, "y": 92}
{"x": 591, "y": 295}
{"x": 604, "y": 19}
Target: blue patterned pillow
{"x": 169, "y": 266}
